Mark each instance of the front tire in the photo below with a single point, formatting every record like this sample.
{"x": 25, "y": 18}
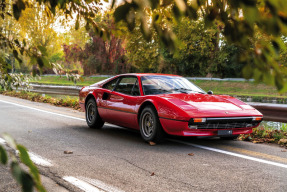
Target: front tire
{"x": 93, "y": 118}
{"x": 150, "y": 127}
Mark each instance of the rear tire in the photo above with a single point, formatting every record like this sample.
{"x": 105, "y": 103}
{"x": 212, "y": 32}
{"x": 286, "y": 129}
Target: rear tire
{"x": 93, "y": 118}
{"x": 150, "y": 127}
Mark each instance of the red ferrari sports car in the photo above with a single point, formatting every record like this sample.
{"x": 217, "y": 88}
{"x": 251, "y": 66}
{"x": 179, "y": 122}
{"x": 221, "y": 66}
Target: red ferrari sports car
{"x": 159, "y": 104}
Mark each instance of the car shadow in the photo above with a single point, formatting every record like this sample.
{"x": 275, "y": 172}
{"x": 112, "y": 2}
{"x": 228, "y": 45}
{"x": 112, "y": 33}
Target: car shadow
{"x": 113, "y": 132}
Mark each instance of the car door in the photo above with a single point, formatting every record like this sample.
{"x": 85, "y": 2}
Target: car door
{"x": 122, "y": 101}
{"x": 103, "y": 96}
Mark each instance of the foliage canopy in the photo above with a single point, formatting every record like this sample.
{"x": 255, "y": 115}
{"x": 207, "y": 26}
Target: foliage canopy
{"x": 256, "y": 27}
{"x": 237, "y": 21}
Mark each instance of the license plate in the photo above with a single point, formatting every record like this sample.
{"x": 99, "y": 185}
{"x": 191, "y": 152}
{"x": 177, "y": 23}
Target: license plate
{"x": 224, "y": 132}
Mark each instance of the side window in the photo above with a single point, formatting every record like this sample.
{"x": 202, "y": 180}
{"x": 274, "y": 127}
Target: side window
{"x": 111, "y": 84}
{"x": 128, "y": 86}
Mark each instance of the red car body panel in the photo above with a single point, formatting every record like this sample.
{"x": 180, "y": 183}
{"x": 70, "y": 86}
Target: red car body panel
{"x": 174, "y": 110}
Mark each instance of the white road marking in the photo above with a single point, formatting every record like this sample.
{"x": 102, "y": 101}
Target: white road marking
{"x": 100, "y": 184}
{"x": 185, "y": 143}
{"x": 82, "y": 184}
{"x": 38, "y": 160}
{"x": 2, "y": 141}
{"x": 232, "y": 154}
{"x": 49, "y": 112}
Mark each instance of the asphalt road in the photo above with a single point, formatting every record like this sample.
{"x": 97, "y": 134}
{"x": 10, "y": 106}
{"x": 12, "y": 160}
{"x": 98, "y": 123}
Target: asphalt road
{"x": 117, "y": 159}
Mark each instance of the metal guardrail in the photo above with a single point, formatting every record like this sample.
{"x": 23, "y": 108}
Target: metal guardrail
{"x": 55, "y": 90}
{"x": 271, "y": 112}
{"x": 218, "y": 79}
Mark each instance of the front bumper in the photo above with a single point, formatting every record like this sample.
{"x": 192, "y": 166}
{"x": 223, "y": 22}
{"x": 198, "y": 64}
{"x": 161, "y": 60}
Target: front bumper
{"x": 211, "y": 127}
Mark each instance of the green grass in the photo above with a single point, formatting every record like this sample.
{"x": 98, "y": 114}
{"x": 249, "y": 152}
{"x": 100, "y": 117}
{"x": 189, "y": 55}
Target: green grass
{"x": 64, "y": 101}
{"x": 240, "y": 88}
{"x": 218, "y": 87}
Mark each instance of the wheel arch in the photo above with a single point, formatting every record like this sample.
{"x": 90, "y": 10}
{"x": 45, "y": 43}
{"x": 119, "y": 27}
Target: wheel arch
{"x": 143, "y": 105}
{"x": 89, "y": 96}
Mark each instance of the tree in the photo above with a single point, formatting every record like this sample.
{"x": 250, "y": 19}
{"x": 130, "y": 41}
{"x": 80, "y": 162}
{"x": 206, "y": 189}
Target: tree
{"x": 99, "y": 55}
{"x": 84, "y": 10}
{"x": 144, "y": 56}
{"x": 236, "y": 21}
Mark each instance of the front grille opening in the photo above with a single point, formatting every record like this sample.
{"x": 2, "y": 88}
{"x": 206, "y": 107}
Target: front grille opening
{"x": 224, "y": 123}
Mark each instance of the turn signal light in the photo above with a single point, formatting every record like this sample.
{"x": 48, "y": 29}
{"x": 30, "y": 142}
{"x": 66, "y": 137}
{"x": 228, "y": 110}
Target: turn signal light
{"x": 257, "y": 118}
{"x": 199, "y": 120}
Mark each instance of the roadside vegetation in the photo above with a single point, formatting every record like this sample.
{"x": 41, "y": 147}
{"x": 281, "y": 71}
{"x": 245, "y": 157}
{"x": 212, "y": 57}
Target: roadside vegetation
{"x": 63, "y": 80}
{"x": 63, "y": 101}
{"x": 267, "y": 132}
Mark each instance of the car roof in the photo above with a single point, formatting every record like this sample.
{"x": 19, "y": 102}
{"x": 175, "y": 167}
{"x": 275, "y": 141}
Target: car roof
{"x": 148, "y": 74}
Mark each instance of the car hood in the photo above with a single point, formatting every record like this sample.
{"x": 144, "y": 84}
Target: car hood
{"x": 205, "y": 102}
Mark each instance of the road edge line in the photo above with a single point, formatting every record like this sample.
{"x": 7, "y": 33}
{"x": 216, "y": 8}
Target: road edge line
{"x": 232, "y": 154}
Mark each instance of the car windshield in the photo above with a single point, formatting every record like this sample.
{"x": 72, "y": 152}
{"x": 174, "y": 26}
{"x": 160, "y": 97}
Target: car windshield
{"x": 157, "y": 84}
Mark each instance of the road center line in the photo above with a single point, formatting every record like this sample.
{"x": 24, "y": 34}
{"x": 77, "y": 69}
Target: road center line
{"x": 232, "y": 154}
{"x": 181, "y": 142}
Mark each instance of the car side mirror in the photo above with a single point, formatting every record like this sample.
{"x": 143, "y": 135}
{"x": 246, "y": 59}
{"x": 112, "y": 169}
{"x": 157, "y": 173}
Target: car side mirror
{"x": 209, "y": 92}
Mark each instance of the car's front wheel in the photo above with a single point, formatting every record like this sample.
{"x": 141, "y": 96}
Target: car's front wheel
{"x": 150, "y": 127}
{"x": 92, "y": 116}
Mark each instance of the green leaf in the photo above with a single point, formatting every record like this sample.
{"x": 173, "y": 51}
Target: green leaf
{"x": 122, "y": 11}
{"x": 16, "y": 12}
{"x": 87, "y": 26}
{"x": 22, "y": 177}
{"x": 247, "y": 71}
{"x": 15, "y": 53}
{"x": 10, "y": 141}
{"x": 249, "y": 2}
{"x": 24, "y": 156}
{"x": 43, "y": 50}
{"x": 176, "y": 12}
{"x": 40, "y": 62}
{"x": 3, "y": 155}
{"x": 46, "y": 62}
{"x": 17, "y": 42}
{"x": 16, "y": 172}
{"x": 279, "y": 82}
{"x": 8, "y": 13}
{"x": 77, "y": 24}
{"x": 154, "y": 3}
{"x": 113, "y": 4}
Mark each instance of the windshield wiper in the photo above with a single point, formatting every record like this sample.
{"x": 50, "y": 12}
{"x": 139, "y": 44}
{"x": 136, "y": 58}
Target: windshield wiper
{"x": 185, "y": 90}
